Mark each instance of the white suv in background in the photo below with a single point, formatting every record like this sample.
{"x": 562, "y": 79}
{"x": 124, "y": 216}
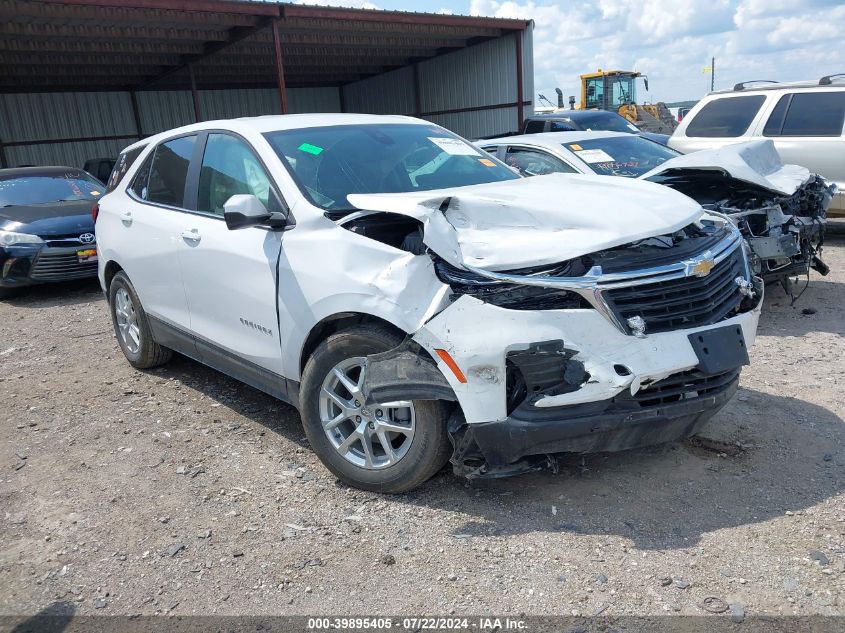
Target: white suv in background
{"x": 805, "y": 120}
{"x": 416, "y": 299}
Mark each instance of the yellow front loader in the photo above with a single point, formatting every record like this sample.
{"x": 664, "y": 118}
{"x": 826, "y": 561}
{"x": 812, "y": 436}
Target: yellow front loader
{"x": 616, "y": 91}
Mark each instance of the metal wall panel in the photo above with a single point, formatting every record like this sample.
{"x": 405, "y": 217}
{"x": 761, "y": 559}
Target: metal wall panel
{"x": 164, "y": 110}
{"x": 66, "y": 154}
{"x": 390, "y": 93}
{"x": 478, "y": 76}
{"x": 302, "y": 100}
{"x": 231, "y": 104}
{"x": 42, "y": 116}
{"x": 474, "y": 125}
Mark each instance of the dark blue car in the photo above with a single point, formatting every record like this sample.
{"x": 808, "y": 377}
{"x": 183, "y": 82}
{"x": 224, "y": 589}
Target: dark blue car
{"x": 586, "y": 121}
{"x": 46, "y": 226}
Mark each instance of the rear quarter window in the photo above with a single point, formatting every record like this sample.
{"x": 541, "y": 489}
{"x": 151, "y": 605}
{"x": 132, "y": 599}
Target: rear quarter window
{"x": 534, "y": 127}
{"x": 122, "y": 165}
{"x": 807, "y": 114}
{"x": 725, "y": 118}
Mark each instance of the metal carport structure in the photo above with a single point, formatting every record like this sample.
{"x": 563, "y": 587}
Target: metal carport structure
{"x": 81, "y": 78}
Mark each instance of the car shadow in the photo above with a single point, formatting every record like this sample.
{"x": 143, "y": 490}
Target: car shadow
{"x": 57, "y": 294}
{"x": 818, "y": 309}
{"x": 55, "y": 618}
{"x": 761, "y": 456}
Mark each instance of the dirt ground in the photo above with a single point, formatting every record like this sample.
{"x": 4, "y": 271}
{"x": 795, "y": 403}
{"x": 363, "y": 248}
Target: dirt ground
{"x": 182, "y": 491}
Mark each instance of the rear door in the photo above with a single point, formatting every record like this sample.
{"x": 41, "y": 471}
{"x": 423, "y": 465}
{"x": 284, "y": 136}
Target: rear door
{"x": 808, "y": 129}
{"x": 147, "y": 226}
{"x": 230, "y": 276}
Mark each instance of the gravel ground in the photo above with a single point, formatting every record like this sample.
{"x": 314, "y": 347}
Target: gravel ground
{"x": 182, "y": 491}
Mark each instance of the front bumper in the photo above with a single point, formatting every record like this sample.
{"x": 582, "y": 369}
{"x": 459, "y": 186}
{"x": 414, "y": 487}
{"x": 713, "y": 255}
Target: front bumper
{"x": 479, "y": 336}
{"x": 667, "y": 411}
{"x": 27, "y": 265}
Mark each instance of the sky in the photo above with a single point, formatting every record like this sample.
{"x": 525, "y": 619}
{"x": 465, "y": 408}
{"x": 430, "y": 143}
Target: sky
{"x": 671, "y": 41}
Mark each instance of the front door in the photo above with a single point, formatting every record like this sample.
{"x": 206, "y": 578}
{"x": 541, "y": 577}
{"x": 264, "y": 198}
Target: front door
{"x": 230, "y": 276}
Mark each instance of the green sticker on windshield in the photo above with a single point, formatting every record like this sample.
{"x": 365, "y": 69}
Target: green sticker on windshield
{"x": 311, "y": 149}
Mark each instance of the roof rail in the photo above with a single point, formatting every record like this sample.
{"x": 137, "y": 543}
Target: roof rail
{"x": 828, "y": 79}
{"x": 742, "y": 85}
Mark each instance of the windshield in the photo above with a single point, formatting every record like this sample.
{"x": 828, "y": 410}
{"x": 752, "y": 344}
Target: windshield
{"x": 628, "y": 155}
{"x": 329, "y": 163}
{"x": 45, "y": 188}
{"x": 604, "y": 122}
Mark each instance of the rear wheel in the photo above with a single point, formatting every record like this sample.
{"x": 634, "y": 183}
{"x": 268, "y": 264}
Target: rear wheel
{"x": 390, "y": 447}
{"x": 132, "y": 327}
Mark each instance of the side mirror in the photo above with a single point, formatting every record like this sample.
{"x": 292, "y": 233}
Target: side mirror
{"x": 243, "y": 210}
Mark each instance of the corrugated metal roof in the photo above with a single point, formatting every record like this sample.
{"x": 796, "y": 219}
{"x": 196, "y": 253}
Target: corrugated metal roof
{"x": 130, "y": 44}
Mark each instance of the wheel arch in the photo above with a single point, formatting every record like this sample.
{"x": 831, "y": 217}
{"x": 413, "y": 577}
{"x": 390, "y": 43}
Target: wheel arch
{"x": 109, "y": 271}
{"x": 335, "y": 323}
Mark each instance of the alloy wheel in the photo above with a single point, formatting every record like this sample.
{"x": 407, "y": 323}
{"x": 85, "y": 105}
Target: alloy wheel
{"x": 127, "y": 321}
{"x": 370, "y": 437}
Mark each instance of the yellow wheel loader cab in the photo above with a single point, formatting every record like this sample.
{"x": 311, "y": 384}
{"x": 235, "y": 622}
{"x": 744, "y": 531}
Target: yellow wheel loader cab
{"x": 616, "y": 91}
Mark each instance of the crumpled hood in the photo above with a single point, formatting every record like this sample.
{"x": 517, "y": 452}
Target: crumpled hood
{"x": 754, "y": 162}
{"x": 537, "y": 221}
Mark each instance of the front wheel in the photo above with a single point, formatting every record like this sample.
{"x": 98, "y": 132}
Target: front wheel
{"x": 132, "y": 327}
{"x": 391, "y": 447}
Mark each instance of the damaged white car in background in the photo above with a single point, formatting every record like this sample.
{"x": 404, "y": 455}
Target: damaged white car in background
{"x": 780, "y": 209}
{"x": 417, "y": 301}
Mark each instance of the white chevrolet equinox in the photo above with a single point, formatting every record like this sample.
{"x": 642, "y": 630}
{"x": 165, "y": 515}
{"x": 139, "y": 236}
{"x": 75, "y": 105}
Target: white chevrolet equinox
{"x": 417, "y": 300}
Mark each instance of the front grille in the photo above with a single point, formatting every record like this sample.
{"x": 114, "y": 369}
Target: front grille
{"x": 683, "y": 386}
{"x": 682, "y": 303}
{"x": 64, "y": 241}
{"x": 60, "y": 267}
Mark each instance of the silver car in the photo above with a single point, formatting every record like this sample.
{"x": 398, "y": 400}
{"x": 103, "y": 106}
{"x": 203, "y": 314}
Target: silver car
{"x": 805, "y": 120}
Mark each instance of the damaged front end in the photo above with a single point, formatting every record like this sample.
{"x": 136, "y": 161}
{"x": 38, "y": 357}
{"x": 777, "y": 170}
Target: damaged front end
{"x": 780, "y": 209}
{"x": 618, "y": 368}
{"x": 565, "y": 331}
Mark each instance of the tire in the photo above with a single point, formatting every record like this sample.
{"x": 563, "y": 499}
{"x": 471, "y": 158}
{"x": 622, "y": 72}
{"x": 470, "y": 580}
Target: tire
{"x": 418, "y": 457}
{"x": 146, "y": 352}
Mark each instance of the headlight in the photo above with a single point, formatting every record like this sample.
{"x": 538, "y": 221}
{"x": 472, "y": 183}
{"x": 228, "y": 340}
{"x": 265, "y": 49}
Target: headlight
{"x": 508, "y": 295}
{"x": 8, "y": 238}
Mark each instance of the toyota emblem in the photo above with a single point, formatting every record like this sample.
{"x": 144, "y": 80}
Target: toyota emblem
{"x": 87, "y": 238}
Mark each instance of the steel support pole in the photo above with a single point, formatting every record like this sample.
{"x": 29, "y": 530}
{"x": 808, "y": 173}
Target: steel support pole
{"x": 280, "y": 68}
{"x": 520, "y": 97}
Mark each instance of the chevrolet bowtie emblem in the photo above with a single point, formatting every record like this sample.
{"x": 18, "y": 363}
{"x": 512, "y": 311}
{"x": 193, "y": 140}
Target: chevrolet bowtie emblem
{"x": 701, "y": 267}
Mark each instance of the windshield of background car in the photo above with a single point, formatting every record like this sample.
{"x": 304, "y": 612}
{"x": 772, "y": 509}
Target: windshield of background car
{"x": 329, "y": 163}
{"x": 604, "y": 122}
{"x": 45, "y": 188}
{"x": 629, "y": 156}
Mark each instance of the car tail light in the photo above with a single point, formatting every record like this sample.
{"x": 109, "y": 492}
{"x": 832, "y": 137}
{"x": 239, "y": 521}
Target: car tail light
{"x": 95, "y": 211}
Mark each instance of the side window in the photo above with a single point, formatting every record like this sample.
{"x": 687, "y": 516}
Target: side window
{"x": 142, "y": 178}
{"x": 162, "y": 177}
{"x": 230, "y": 167}
{"x": 775, "y": 122}
{"x": 532, "y": 162}
{"x": 534, "y": 126}
{"x": 122, "y": 165}
{"x": 808, "y": 114}
{"x": 562, "y": 126}
{"x": 725, "y": 118}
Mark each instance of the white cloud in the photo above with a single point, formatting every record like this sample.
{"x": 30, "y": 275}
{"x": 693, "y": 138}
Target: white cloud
{"x": 671, "y": 41}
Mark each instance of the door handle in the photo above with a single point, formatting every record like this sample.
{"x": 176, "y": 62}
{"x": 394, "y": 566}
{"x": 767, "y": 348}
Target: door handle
{"x": 126, "y": 218}
{"x": 191, "y": 236}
